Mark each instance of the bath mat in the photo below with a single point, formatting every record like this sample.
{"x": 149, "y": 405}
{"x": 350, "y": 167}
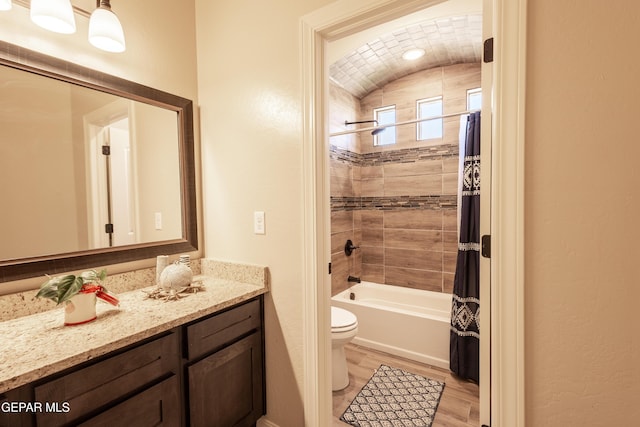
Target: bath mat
{"x": 395, "y": 398}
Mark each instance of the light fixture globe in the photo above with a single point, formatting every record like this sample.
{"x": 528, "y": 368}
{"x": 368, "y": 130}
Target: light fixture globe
{"x": 53, "y": 15}
{"x": 5, "y": 4}
{"x": 105, "y": 30}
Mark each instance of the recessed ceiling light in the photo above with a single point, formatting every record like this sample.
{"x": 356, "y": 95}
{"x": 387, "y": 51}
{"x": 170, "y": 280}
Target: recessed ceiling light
{"x": 413, "y": 54}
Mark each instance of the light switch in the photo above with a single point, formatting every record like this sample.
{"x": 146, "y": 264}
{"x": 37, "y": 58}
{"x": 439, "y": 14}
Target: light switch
{"x": 158, "y": 220}
{"x": 258, "y": 222}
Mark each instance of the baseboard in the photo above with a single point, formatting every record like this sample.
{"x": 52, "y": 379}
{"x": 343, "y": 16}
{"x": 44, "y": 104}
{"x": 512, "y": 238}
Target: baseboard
{"x": 422, "y": 358}
{"x": 264, "y": 422}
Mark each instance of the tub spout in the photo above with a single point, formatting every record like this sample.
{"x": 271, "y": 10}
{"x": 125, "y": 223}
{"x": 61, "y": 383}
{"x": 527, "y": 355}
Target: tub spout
{"x": 353, "y": 279}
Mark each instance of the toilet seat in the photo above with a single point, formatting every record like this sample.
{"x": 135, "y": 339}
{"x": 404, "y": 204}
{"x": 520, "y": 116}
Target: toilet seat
{"x": 342, "y": 320}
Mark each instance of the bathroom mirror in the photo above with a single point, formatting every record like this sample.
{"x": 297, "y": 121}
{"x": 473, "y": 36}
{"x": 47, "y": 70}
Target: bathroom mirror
{"x": 96, "y": 170}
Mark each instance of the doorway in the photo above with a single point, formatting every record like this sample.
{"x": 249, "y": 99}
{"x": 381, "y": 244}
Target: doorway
{"x": 395, "y": 197}
{"x": 506, "y": 403}
{"x": 112, "y": 213}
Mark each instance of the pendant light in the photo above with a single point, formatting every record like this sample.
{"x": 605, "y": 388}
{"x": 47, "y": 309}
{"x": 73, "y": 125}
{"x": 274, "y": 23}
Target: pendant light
{"x": 105, "y": 30}
{"x": 54, "y": 15}
{"x": 5, "y": 4}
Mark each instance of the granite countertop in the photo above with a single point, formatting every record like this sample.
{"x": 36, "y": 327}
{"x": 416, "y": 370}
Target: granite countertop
{"x": 32, "y": 347}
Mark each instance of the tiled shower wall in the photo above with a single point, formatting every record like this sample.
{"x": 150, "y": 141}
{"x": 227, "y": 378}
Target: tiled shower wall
{"x": 398, "y": 203}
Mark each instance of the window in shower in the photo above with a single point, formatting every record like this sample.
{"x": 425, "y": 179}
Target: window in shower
{"x": 385, "y": 116}
{"x": 429, "y": 129}
{"x": 474, "y": 99}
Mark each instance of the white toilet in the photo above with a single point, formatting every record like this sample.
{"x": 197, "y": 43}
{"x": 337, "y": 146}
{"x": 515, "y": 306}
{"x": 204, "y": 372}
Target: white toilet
{"x": 344, "y": 327}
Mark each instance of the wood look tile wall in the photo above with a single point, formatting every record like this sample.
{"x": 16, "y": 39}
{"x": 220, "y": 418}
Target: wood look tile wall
{"x": 398, "y": 203}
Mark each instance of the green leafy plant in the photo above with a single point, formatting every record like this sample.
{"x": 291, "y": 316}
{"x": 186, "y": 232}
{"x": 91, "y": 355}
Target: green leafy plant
{"x": 61, "y": 288}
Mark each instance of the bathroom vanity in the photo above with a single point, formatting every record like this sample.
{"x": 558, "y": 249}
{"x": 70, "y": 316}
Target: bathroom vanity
{"x": 198, "y": 361}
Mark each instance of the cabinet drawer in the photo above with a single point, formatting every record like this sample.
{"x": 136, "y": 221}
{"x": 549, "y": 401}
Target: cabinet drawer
{"x": 158, "y": 405}
{"x": 97, "y": 385}
{"x": 220, "y": 329}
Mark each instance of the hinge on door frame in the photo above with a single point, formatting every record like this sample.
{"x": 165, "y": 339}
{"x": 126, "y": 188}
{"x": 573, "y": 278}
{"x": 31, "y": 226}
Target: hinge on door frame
{"x": 488, "y": 50}
{"x": 486, "y": 246}
{"x": 108, "y": 228}
{"x": 329, "y": 268}
{"x": 106, "y": 150}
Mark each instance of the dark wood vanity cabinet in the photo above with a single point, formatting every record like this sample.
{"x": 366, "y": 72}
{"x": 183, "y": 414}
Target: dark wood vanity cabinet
{"x": 209, "y": 372}
{"x": 225, "y": 374}
{"x": 140, "y": 383}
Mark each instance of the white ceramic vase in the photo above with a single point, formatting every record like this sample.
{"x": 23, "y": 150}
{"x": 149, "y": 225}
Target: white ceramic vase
{"x": 81, "y": 308}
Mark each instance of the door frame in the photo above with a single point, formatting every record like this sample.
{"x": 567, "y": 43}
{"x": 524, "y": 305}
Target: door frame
{"x": 94, "y": 123}
{"x": 344, "y": 17}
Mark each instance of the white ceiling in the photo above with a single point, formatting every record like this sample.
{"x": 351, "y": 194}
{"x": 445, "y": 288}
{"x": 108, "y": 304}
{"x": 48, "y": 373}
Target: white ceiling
{"x": 450, "y": 33}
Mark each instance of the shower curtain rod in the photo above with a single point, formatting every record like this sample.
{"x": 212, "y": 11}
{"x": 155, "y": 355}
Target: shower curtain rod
{"x": 408, "y": 122}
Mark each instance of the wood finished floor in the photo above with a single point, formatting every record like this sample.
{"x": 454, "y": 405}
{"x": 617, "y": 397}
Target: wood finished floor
{"x": 459, "y": 405}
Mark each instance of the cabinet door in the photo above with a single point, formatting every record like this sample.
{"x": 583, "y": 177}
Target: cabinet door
{"x": 158, "y": 405}
{"x": 226, "y": 388}
{"x": 15, "y": 419}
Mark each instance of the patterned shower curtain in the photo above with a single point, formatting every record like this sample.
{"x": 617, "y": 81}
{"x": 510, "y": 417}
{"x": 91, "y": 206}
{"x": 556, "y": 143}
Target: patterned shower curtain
{"x": 464, "y": 356}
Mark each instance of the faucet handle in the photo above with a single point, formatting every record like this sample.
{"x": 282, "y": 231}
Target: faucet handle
{"x": 349, "y": 247}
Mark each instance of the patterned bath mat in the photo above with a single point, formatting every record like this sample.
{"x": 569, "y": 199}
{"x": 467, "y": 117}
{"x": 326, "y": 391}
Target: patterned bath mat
{"x": 395, "y": 398}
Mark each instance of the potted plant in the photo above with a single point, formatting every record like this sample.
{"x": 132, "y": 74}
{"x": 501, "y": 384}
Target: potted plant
{"x": 79, "y": 293}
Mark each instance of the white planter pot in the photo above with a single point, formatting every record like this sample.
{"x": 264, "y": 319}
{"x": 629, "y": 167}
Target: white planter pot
{"x": 81, "y": 308}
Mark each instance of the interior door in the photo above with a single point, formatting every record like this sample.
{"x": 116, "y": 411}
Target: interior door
{"x": 122, "y": 188}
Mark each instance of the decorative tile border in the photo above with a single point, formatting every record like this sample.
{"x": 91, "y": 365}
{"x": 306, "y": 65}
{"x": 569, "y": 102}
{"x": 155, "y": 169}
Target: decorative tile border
{"x": 393, "y": 203}
{"x": 406, "y": 155}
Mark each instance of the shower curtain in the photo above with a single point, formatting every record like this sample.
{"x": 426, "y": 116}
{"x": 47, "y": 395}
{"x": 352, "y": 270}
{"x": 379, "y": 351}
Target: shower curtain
{"x": 464, "y": 356}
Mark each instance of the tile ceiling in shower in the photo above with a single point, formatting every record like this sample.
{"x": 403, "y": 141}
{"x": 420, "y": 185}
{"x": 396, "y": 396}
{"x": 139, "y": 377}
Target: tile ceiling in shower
{"x": 446, "y": 41}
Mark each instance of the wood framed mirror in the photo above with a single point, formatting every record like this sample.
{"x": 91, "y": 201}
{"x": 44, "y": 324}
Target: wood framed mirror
{"x": 95, "y": 170}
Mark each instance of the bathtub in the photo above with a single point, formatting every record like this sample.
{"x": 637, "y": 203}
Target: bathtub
{"x": 406, "y": 322}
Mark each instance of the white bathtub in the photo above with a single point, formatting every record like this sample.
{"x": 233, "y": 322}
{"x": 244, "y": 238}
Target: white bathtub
{"x": 406, "y": 322}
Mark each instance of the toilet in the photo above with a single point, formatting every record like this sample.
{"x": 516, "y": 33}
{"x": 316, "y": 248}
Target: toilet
{"x": 344, "y": 327}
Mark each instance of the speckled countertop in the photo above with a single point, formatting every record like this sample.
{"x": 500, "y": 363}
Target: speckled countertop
{"x": 32, "y": 347}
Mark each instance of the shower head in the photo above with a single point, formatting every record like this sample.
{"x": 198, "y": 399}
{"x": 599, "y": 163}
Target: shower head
{"x": 347, "y": 123}
{"x": 373, "y": 132}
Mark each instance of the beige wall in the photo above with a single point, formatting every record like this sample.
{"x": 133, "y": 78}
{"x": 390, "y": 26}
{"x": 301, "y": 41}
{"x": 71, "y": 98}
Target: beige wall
{"x": 43, "y": 160}
{"x": 581, "y": 219}
{"x": 157, "y": 171}
{"x": 251, "y": 113}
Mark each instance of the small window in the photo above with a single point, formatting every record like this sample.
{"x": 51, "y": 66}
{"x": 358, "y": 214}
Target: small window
{"x": 385, "y": 116}
{"x": 474, "y": 99}
{"x": 429, "y": 129}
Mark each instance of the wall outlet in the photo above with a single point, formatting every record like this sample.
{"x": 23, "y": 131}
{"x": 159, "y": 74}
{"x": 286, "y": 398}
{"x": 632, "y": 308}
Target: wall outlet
{"x": 158, "y": 219}
{"x": 258, "y": 222}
